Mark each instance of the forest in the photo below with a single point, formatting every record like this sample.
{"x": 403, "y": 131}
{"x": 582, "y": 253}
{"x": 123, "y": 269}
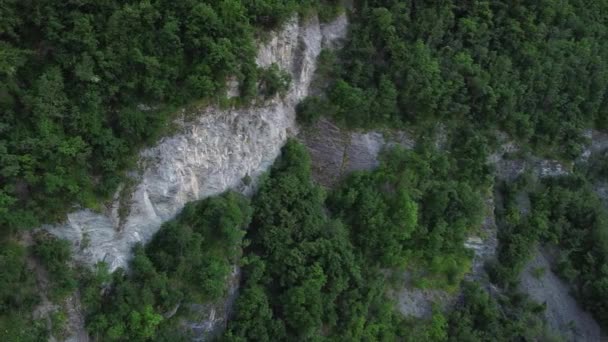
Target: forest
{"x": 567, "y": 213}
{"x": 84, "y": 85}
{"x": 296, "y": 258}
{"x": 310, "y": 276}
{"x": 536, "y": 70}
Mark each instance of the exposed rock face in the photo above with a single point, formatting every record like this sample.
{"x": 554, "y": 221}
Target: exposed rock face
{"x": 509, "y": 168}
{"x": 484, "y": 246}
{"x": 563, "y": 313}
{"x": 336, "y": 152}
{"x": 208, "y": 320}
{"x": 598, "y": 142}
{"x": 418, "y": 303}
{"x": 211, "y": 154}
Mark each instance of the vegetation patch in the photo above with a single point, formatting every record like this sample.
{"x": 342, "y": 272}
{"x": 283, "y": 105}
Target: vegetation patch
{"x": 85, "y": 85}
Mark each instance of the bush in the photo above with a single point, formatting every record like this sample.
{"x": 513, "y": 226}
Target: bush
{"x": 310, "y": 109}
{"x": 481, "y": 317}
{"x": 188, "y": 261}
{"x": 18, "y": 296}
{"x": 274, "y": 81}
{"x": 55, "y": 255}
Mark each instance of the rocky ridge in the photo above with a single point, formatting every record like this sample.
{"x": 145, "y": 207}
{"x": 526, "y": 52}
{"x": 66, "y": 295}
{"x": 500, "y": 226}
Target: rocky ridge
{"x": 210, "y": 154}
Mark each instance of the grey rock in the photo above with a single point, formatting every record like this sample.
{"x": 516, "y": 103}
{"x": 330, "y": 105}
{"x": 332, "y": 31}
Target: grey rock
{"x": 232, "y": 86}
{"x": 563, "y": 313}
{"x": 326, "y": 144}
{"x": 209, "y": 155}
{"x": 336, "y": 152}
{"x": 598, "y": 142}
{"x": 418, "y": 303}
{"x": 208, "y": 320}
{"x": 362, "y": 151}
{"x": 334, "y": 32}
{"x": 484, "y": 244}
{"x": 76, "y": 329}
{"x": 415, "y": 302}
{"x": 508, "y": 167}
{"x": 601, "y": 189}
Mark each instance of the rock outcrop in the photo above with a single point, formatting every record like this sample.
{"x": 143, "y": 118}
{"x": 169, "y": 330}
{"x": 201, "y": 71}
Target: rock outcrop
{"x": 212, "y": 153}
{"x": 208, "y": 320}
{"x": 563, "y": 313}
{"x": 336, "y": 152}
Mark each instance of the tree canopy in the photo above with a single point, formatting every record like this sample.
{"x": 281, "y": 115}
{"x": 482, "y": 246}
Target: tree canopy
{"x": 85, "y": 84}
{"x": 535, "y": 69}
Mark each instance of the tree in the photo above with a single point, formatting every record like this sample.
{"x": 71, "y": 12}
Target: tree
{"x": 143, "y": 324}
{"x": 304, "y": 303}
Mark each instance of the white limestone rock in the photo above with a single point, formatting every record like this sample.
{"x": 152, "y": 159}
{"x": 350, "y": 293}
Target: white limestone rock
{"x": 209, "y": 155}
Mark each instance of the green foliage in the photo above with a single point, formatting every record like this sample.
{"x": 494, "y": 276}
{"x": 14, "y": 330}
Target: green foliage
{"x": 311, "y": 109}
{"x": 55, "y": 255}
{"x": 302, "y": 279}
{"x": 20, "y": 327}
{"x": 270, "y": 13}
{"x": 433, "y": 329}
{"x": 74, "y": 76}
{"x": 483, "y": 317}
{"x": 274, "y": 81}
{"x": 59, "y": 322}
{"x": 328, "y": 10}
{"x": 441, "y": 271}
{"x": 578, "y": 222}
{"x": 197, "y": 251}
{"x": 310, "y": 275}
{"x": 306, "y": 276}
{"x": 83, "y": 85}
{"x": 18, "y": 296}
{"x": 597, "y": 166}
{"x": 188, "y": 261}
{"x": 538, "y": 272}
{"x": 567, "y": 213}
{"x": 535, "y": 69}
{"x": 19, "y": 290}
{"x": 382, "y": 222}
{"x": 17, "y": 284}
{"x": 519, "y": 234}
{"x": 254, "y": 318}
{"x": 351, "y": 103}
{"x": 413, "y": 207}
{"x": 130, "y": 308}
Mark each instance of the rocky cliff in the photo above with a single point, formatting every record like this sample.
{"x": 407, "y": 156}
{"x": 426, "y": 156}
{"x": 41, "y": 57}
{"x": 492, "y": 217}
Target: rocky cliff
{"x": 212, "y": 153}
{"x": 335, "y": 152}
